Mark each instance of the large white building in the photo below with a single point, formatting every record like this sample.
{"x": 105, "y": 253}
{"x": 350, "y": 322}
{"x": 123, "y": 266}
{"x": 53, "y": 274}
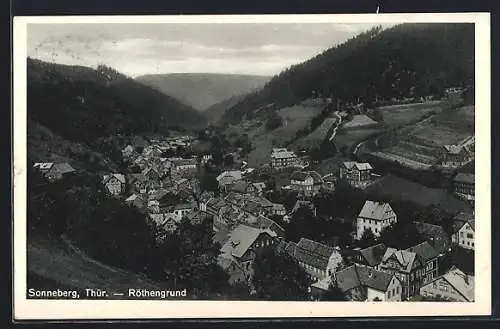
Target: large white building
{"x": 283, "y": 158}
{"x": 374, "y": 216}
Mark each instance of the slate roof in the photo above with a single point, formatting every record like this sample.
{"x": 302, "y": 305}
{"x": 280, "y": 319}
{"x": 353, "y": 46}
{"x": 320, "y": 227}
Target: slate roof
{"x": 362, "y": 276}
{"x": 424, "y": 251}
{"x": 373, "y": 255}
{"x": 313, "y": 253}
{"x": 464, "y": 178}
{"x": 375, "y": 210}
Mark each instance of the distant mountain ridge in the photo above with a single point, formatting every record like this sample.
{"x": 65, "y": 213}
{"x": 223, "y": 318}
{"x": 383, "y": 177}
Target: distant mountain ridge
{"x": 407, "y": 60}
{"x": 84, "y": 104}
{"x": 202, "y": 90}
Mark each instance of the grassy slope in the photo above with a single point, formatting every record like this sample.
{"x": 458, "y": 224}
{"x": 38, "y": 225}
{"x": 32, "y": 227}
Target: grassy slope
{"x": 295, "y": 118}
{"x": 53, "y": 264}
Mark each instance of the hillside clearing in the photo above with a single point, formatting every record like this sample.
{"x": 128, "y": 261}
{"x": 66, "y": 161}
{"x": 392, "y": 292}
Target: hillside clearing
{"x": 405, "y": 113}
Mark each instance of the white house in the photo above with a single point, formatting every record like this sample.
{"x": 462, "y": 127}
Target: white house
{"x": 374, "y": 216}
{"x": 463, "y": 230}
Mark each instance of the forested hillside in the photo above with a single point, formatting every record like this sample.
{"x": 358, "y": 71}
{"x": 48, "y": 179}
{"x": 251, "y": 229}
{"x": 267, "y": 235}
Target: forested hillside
{"x": 408, "y": 60}
{"x": 82, "y": 104}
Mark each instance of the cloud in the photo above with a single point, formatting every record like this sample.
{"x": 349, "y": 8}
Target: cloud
{"x": 134, "y": 49}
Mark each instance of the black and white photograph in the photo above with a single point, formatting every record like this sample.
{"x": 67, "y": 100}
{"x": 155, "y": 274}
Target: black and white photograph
{"x": 279, "y": 159}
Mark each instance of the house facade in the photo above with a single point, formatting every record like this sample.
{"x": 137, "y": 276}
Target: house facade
{"x": 357, "y": 174}
{"x": 454, "y": 286}
{"x": 463, "y": 231}
{"x": 464, "y": 187}
{"x": 242, "y": 245}
{"x": 374, "y": 216}
{"x": 363, "y": 283}
{"x": 306, "y": 183}
{"x": 414, "y": 267}
{"x": 283, "y": 158}
{"x": 454, "y": 156}
{"x": 318, "y": 260}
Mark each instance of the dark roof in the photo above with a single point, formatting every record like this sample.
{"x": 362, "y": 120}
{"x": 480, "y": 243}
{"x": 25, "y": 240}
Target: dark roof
{"x": 435, "y": 235}
{"x": 373, "y": 255}
{"x": 313, "y": 253}
{"x": 374, "y": 279}
{"x": 461, "y": 218}
{"x": 359, "y": 275}
{"x": 463, "y": 259}
{"x": 464, "y": 178}
{"x": 424, "y": 251}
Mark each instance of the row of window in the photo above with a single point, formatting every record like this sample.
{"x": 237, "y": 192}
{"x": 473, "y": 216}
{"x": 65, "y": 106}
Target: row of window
{"x": 468, "y": 243}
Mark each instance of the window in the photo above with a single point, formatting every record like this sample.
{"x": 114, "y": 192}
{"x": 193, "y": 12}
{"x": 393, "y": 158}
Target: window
{"x": 461, "y": 234}
{"x": 470, "y": 236}
{"x": 389, "y": 294}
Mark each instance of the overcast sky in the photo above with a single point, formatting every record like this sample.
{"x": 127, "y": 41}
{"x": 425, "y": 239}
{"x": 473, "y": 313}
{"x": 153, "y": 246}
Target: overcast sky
{"x": 137, "y": 49}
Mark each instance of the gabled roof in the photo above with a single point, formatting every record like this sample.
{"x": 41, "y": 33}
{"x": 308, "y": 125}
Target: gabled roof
{"x": 62, "y": 168}
{"x": 371, "y": 278}
{"x": 373, "y": 255}
{"x": 460, "y": 281}
{"x": 464, "y": 178}
{"x": 120, "y": 177}
{"x": 424, "y": 251}
{"x": 376, "y": 210}
{"x": 303, "y": 175}
{"x": 313, "y": 253}
{"x": 461, "y": 219}
{"x": 241, "y": 238}
{"x": 407, "y": 259}
{"x": 358, "y": 165}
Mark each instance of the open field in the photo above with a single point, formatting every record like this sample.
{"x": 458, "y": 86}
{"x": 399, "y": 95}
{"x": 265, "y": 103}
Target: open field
{"x": 317, "y": 136}
{"x": 413, "y": 162}
{"x": 294, "y": 118}
{"x": 404, "y": 113}
{"x": 352, "y": 136}
{"x": 403, "y": 189}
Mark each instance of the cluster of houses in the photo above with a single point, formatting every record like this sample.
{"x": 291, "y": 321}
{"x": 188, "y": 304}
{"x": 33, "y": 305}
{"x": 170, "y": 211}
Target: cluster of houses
{"x": 164, "y": 188}
{"x": 244, "y": 221}
{"x": 381, "y": 273}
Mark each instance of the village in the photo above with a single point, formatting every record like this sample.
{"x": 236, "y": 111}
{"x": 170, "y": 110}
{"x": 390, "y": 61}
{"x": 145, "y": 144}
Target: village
{"x": 247, "y": 218}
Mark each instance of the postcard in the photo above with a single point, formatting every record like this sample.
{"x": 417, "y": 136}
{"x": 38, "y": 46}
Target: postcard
{"x": 251, "y": 166}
